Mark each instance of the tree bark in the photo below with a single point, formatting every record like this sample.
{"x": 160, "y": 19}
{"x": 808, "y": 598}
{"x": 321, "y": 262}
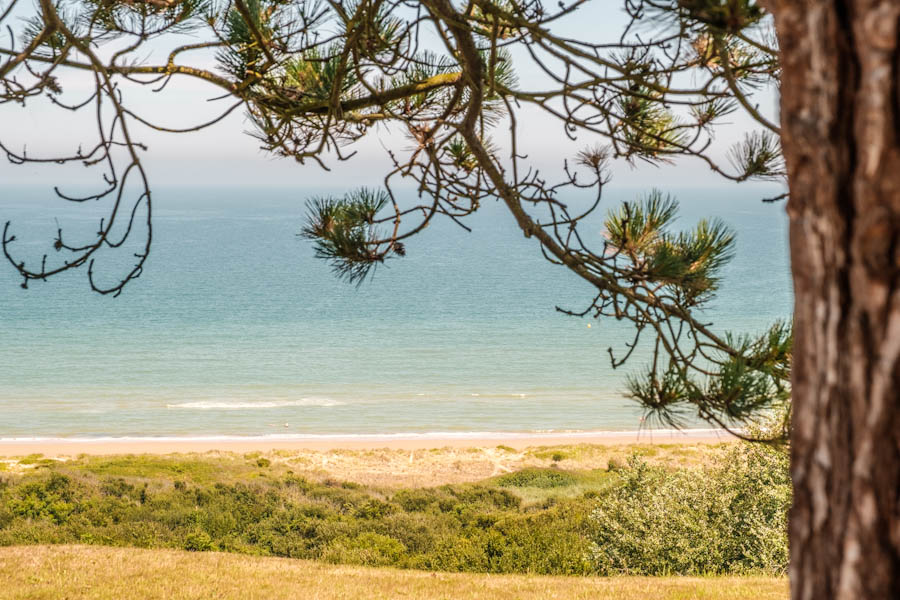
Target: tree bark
{"x": 840, "y": 115}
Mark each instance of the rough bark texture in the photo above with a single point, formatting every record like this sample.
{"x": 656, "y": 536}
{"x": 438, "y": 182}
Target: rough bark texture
{"x": 841, "y": 136}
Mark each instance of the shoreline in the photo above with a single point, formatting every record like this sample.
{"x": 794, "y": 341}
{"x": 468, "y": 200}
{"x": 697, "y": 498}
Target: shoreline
{"x": 180, "y": 445}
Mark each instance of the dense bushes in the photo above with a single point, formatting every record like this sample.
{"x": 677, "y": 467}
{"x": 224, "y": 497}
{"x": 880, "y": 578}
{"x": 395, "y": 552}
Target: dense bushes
{"x": 453, "y": 528}
{"x": 537, "y": 478}
{"x": 635, "y": 518}
{"x": 730, "y": 518}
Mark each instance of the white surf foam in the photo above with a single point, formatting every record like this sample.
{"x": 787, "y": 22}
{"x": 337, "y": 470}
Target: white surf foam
{"x": 260, "y": 404}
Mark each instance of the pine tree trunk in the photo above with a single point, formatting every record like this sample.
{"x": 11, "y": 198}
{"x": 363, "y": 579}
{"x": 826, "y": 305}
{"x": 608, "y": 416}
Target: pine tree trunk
{"x": 841, "y": 136}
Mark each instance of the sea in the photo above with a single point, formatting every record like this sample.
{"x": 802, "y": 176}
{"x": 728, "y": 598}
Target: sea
{"x": 236, "y": 330}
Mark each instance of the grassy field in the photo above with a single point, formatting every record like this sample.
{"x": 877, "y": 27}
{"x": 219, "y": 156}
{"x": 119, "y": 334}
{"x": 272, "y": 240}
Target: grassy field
{"x": 82, "y": 572}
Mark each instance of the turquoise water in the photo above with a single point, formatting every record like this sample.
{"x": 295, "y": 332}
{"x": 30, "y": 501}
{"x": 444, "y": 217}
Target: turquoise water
{"x": 235, "y": 329}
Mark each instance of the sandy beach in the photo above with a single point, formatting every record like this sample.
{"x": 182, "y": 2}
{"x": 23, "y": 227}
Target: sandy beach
{"x": 169, "y": 445}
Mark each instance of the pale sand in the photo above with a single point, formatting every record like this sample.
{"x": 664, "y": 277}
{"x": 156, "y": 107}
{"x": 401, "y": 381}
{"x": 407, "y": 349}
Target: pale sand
{"x": 64, "y": 447}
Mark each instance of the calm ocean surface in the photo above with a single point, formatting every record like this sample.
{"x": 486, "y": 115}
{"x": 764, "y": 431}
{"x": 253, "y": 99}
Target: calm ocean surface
{"x": 235, "y": 329}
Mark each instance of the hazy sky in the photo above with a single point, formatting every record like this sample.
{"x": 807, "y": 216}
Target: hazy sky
{"x": 225, "y": 155}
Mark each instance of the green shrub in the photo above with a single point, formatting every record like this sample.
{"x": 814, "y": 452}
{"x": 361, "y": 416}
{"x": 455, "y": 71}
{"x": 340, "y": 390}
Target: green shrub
{"x": 49, "y": 499}
{"x": 726, "y": 519}
{"x": 537, "y": 478}
{"x": 370, "y": 549}
{"x": 295, "y": 481}
{"x": 421, "y": 500}
{"x": 373, "y": 509}
{"x": 454, "y": 553}
{"x": 198, "y": 541}
{"x": 480, "y": 498}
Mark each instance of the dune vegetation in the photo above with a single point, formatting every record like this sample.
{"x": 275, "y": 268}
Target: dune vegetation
{"x": 724, "y": 514}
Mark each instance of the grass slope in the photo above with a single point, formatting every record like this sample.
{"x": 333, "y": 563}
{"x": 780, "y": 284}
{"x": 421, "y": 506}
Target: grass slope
{"x": 82, "y": 572}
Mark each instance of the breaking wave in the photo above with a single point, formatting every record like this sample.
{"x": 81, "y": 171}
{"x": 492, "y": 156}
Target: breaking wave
{"x": 261, "y": 404}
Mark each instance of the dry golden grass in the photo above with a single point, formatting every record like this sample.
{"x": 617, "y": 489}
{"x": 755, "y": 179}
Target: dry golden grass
{"x": 391, "y": 467}
{"x": 80, "y": 572}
